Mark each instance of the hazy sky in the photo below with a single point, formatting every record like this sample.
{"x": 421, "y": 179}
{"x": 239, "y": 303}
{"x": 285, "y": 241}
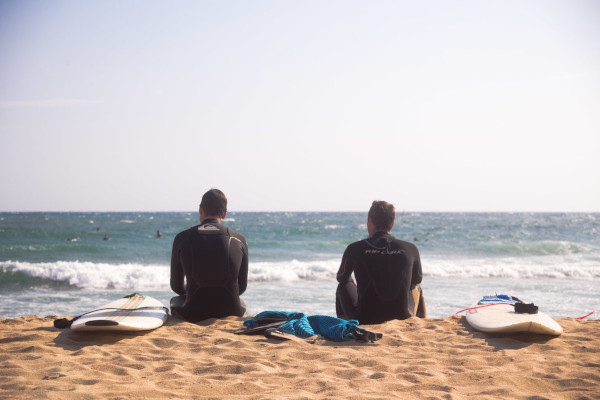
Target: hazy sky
{"x": 304, "y": 105}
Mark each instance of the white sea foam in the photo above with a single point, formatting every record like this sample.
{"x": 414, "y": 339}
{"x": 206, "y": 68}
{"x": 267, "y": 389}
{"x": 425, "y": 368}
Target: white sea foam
{"x": 156, "y": 277}
{"x": 96, "y": 275}
{"x": 293, "y": 270}
{"x": 513, "y": 267}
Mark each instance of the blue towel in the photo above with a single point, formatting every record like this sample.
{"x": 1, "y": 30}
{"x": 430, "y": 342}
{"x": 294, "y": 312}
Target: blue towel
{"x": 334, "y": 328}
{"x": 298, "y": 325}
{"x": 304, "y": 326}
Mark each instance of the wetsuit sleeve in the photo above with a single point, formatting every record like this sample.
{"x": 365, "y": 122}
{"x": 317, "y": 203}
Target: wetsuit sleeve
{"x": 243, "y": 275}
{"x": 177, "y": 273}
{"x": 344, "y": 274}
{"x": 417, "y": 273}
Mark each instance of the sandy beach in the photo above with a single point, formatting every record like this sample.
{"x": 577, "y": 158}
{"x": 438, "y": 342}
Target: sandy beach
{"x": 417, "y": 358}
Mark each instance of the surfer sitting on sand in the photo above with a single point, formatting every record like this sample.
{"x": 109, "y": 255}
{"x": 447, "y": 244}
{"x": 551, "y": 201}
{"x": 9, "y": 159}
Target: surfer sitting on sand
{"x": 209, "y": 265}
{"x": 387, "y": 271}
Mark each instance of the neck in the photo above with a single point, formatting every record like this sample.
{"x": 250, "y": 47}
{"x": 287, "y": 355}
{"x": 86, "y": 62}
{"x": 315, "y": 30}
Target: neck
{"x": 204, "y": 217}
{"x": 376, "y": 232}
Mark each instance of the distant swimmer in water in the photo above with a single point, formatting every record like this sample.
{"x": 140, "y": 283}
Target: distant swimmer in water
{"x": 158, "y": 234}
{"x": 105, "y": 237}
{"x": 97, "y": 229}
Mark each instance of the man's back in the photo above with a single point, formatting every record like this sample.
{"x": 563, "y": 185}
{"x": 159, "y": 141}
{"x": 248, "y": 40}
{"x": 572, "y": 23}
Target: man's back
{"x": 214, "y": 261}
{"x": 385, "y": 269}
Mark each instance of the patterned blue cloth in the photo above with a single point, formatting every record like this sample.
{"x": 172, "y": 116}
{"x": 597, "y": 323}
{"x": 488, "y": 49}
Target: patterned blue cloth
{"x": 304, "y": 326}
{"x": 498, "y": 298}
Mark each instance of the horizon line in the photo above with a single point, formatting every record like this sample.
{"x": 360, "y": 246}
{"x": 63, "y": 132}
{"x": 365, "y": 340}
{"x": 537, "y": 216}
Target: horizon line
{"x": 305, "y": 211}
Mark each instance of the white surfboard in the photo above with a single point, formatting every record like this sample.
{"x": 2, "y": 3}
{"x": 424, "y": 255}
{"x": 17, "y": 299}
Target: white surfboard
{"x": 503, "y": 318}
{"x": 132, "y": 313}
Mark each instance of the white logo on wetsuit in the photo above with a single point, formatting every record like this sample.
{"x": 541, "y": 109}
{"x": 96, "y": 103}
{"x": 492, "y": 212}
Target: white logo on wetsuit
{"x": 385, "y": 251}
{"x": 208, "y": 227}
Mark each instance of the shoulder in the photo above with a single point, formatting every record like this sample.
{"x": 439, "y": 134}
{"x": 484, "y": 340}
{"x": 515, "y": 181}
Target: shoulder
{"x": 185, "y": 233}
{"x": 237, "y": 235}
{"x": 356, "y": 246}
{"x": 406, "y": 245}
{"x": 181, "y": 239}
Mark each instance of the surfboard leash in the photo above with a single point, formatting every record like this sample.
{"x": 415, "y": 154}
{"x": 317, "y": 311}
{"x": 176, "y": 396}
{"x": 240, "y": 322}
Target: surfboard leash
{"x": 585, "y": 316}
{"x": 456, "y": 316}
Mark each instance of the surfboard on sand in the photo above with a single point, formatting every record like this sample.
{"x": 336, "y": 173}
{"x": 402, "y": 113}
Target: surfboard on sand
{"x": 502, "y": 318}
{"x": 134, "y": 312}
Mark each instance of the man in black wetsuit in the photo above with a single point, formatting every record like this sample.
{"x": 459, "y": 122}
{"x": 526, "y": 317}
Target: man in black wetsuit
{"x": 386, "y": 271}
{"x": 209, "y": 265}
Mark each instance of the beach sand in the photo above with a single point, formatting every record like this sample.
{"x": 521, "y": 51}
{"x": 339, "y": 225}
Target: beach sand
{"x": 417, "y": 358}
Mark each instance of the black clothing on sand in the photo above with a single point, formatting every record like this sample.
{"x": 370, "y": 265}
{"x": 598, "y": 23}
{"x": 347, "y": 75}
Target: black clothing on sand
{"x": 209, "y": 271}
{"x": 386, "y": 270}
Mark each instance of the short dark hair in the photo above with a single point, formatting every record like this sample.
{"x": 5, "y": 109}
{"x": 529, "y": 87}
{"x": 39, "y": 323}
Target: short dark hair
{"x": 383, "y": 215}
{"x": 214, "y": 203}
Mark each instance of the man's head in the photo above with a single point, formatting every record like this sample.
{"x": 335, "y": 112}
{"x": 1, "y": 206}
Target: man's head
{"x": 381, "y": 217}
{"x": 214, "y": 204}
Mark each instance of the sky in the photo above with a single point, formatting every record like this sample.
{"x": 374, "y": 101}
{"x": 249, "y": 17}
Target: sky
{"x": 300, "y": 105}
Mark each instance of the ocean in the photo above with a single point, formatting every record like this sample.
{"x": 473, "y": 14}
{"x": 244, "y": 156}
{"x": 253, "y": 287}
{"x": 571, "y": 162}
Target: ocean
{"x": 59, "y": 264}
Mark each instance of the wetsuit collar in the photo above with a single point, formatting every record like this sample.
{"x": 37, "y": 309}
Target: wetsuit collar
{"x": 380, "y": 234}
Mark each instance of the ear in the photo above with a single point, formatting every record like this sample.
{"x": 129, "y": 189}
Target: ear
{"x": 224, "y": 215}
{"x": 370, "y": 227}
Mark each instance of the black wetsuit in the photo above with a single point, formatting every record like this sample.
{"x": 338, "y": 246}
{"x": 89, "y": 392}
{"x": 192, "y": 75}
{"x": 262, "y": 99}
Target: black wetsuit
{"x": 213, "y": 259}
{"x": 386, "y": 269}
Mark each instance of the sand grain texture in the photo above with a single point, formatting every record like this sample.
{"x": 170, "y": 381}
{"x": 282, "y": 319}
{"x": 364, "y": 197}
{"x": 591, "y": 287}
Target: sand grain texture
{"x": 421, "y": 359}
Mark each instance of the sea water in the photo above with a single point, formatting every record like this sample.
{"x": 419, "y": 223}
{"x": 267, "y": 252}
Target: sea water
{"x": 60, "y": 264}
